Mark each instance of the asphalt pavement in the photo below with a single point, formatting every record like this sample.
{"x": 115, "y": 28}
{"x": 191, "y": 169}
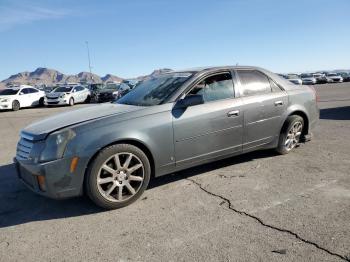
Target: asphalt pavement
{"x": 256, "y": 207}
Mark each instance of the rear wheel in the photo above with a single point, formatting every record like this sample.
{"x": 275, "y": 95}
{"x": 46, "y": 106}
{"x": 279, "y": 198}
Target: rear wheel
{"x": 71, "y": 101}
{"x": 88, "y": 99}
{"x": 118, "y": 176}
{"x": 291, "y": 134}
{"x": 16, "y": 105}
{"x": 41, "y": 101}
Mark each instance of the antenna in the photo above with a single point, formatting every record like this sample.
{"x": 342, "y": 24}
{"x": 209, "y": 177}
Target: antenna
{"x": 88, "y": 53}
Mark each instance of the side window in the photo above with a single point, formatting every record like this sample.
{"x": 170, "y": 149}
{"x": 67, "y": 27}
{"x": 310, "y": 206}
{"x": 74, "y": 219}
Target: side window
{"x": 215, "y": 87}
{"x": 32, "y": 90}
{"x": 25, "y": 91}
{"x": 254, "y": 82}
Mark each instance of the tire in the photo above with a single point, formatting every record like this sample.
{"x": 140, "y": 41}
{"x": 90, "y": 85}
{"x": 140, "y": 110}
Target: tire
{"x": 111, "y": 189}
{"x": 88, "y": 99}
{"x": 71, "y": 101}
{"x": 41, "y": 102}
{"x": 16, "y": 105}
{"x": 290, "y": 135}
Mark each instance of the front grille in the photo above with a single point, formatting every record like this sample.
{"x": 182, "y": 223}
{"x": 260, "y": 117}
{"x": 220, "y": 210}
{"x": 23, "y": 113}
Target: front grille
{"x": 24, "y": 147}
{"x": 52, "y": 97}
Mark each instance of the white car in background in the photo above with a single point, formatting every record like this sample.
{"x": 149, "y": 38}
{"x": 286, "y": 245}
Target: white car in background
{"x": 68, "y": 95}
{"x": 295, "y": 79}
{"x": 334, "y": 78}
{"x": 22, "y": 96}
{"x": 308, "y": 79}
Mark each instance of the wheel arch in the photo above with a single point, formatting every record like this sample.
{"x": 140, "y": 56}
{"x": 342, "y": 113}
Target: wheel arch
{"x": 303, "y": 115}
{"x": 129, "y": 141}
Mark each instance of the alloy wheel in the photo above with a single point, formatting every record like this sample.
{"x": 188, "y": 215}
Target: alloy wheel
{"x": 120, "y": 177}
{"x": 293, "y": 135}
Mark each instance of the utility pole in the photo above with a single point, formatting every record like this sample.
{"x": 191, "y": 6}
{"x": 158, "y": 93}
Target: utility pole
{"x": 88, "y": 53}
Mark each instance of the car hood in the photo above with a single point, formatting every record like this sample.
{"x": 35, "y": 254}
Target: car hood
{"x": 334, "y": 77}
{"x": 56, "y": 94}
{"x": 9, "y": 96}
{"x": 40, "y": 129}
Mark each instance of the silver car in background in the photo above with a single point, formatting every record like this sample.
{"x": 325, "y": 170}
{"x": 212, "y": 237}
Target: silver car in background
{"x": 293, "y": 78}
{"x": 68, "y": 95}
{"x": 170, "y": 122}
{"x": 308, "y": 79}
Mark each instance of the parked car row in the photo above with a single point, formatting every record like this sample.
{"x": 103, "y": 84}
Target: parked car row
{"x": 15, "y": 98}
{"x": 317, "y": 78}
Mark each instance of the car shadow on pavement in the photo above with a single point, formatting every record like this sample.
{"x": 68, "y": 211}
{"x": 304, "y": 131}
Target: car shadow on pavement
{"x": 18, "y": 205}
{"x": 337, "y": 113}
{"x": 159, "y": 181}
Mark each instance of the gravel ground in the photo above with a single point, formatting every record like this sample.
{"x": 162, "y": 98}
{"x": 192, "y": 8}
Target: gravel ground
{"x": 256, "y": 207}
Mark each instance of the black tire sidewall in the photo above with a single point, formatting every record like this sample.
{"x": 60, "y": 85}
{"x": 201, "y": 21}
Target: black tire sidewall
{"x": 71, "y": 101}
{"x": 16, "y": 108}
{"x": 281, "y": 148}
{"x": 92, "y": 172}
{"x": 41, "y": 102}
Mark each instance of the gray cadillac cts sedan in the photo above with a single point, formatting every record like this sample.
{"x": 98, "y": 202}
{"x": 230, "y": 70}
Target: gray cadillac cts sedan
{"x": 167, "y": 123}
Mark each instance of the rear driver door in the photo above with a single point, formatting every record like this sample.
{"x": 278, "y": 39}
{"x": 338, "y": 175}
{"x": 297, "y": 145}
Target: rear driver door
{"x": 264, "y": 103}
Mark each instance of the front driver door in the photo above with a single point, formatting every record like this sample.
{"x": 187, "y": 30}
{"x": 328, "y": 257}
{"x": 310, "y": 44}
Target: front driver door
{"x": 25, "y": 97}
{"x": 212, "y": 129}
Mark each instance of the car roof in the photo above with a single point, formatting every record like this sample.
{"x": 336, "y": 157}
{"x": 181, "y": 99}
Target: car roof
{"x": 209, "y": 68}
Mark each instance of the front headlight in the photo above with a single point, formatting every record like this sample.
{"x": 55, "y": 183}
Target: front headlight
{"x": 62, "y": 96}
{"x": 4, "y": 100}
{"x": 55, "y": 145}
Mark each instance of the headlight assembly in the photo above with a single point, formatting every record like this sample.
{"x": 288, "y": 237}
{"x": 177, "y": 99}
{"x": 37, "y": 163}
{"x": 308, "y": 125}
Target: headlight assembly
{"x": 62, "y": 96}
{"x": 55, "y": 145}
{"x": 4, "y": 100}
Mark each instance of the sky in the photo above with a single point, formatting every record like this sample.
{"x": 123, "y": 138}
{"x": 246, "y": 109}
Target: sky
{"x": 134, "y": 37}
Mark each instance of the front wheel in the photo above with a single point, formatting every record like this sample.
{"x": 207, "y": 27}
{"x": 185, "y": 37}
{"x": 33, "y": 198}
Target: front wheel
{"x": 118, "y": 176}
{"x": 291, "y": 134}
{"x": 71, "y": 101}
{"x": 16, "y": 105}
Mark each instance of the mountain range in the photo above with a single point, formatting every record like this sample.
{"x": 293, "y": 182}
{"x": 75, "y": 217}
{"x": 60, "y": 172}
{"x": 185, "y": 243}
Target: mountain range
{"x": 49, "y": 77}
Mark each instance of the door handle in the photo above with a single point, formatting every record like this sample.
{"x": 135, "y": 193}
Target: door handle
{"x": 278, "y": 103}
{"x": 233, "y": 113}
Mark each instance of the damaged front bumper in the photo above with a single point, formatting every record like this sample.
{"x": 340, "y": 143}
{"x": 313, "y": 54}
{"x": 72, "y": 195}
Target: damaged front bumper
{"x": 52, "y": 179}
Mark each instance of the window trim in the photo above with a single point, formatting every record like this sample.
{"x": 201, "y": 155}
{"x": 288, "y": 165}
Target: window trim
{"x": 200, "y": 79}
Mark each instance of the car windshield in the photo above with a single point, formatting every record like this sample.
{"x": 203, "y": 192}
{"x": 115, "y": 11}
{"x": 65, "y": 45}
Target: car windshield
{"x": 8, "y": 92}
{"x": 156, "y": 90}
{"x": 306, "y": 75}
{"x": 293, "y": 76}
{"x": 65, "y": 89}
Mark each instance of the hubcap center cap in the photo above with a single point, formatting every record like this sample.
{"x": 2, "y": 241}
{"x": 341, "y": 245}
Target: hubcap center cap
{"x": 121, "y": 176}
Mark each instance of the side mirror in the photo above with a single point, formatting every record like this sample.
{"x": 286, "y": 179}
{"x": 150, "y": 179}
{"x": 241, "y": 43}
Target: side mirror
{"x": 21, "y": 93}
{"x": 190, "y": 100}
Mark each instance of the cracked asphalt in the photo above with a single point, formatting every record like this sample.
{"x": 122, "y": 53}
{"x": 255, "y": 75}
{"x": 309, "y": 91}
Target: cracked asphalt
{"x": 256, "y": 207}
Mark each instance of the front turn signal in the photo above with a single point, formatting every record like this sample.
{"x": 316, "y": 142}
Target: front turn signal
{"x": 73, "y": 164}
